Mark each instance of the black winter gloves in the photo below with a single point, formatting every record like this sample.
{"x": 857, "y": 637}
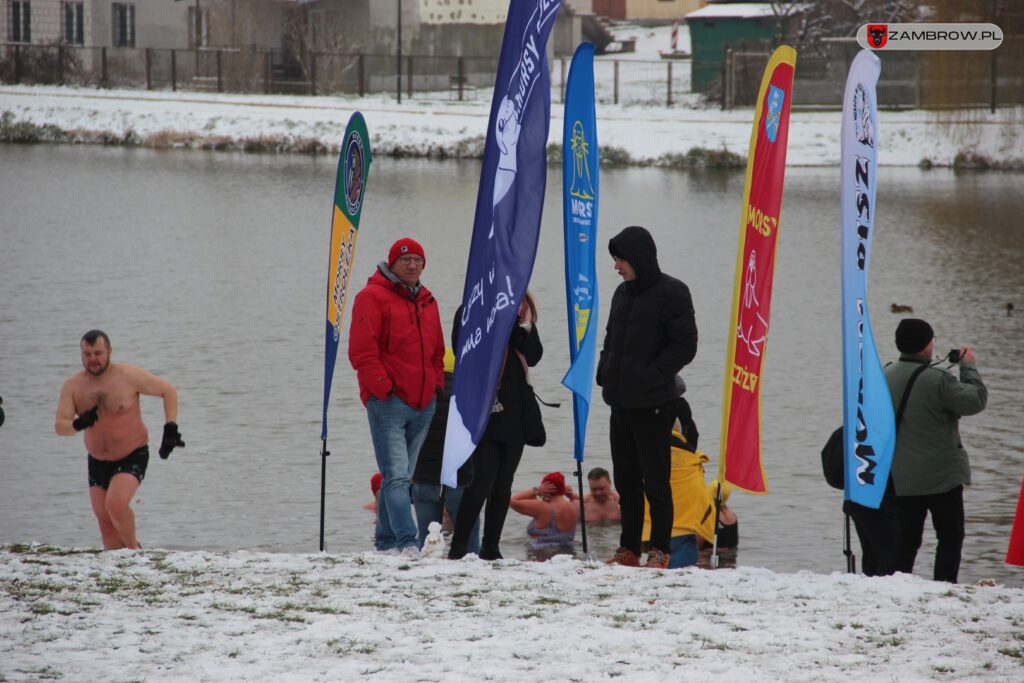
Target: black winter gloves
{"x": 86, "y": 419}
{"x": 171, "y": 440}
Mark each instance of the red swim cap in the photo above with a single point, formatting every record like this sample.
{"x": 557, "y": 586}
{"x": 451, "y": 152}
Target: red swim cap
{"x": 557, "y": 480}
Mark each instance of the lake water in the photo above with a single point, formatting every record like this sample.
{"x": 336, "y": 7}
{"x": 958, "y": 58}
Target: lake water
{"x": 209, "y": 269}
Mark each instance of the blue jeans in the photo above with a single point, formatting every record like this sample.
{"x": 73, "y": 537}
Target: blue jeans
{"x": 397, "y": 431}
{"x": 682, "y": 551}
{"x": 426, "y": 498}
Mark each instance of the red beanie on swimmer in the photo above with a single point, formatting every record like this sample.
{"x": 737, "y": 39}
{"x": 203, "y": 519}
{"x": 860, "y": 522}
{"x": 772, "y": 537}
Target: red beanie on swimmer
{"x": 557, "y": 480}
{"x": 404, "y": 247}
{"x": 375, "y": 481}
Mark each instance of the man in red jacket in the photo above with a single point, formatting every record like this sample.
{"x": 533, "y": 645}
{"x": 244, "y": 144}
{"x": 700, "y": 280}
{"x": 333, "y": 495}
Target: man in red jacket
{"x": 397, "y": 349}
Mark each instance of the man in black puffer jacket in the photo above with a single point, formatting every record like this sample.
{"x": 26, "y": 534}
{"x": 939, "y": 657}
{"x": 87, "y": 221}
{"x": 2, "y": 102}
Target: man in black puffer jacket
{"x": 651, "y": 335}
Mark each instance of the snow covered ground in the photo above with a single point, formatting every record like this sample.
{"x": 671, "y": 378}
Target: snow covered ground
{"x": 437, "y": 126}
{"x": 81, "y": 615}
{"x": 432, "y": 124}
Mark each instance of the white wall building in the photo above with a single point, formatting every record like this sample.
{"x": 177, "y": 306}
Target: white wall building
{"x": 97, "y": 23}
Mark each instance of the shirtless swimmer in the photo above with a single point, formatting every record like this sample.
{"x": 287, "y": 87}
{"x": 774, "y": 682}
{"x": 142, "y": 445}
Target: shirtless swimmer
{"x": 105, "y": 398}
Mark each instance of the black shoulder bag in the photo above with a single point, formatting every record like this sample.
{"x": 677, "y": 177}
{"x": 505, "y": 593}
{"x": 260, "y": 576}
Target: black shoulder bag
{"x": 832, "y": 454}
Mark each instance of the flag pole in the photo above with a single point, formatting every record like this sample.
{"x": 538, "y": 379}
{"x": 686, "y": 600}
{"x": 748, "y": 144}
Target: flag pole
{"x": 851, "y": 560}
{"x": 580, "y": 189}
{"x": 718, "y": 508}
{"x": 323, "y": 487}
{"x": 583, "y": 512}
{"x": 349, "y": 188}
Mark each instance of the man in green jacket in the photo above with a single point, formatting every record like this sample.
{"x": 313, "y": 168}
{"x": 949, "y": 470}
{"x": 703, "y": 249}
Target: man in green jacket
{"x": 930, "y": 466}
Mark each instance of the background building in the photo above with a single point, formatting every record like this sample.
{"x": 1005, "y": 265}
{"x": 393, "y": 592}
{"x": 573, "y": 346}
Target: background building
{"x": 717, "y": 26}
{"x": 95, "y": 23}
{"x": 639, "y": 10}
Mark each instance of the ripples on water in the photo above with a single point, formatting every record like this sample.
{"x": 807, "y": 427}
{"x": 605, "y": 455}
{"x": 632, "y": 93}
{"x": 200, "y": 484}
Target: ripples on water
{"x": 209, "y": 270}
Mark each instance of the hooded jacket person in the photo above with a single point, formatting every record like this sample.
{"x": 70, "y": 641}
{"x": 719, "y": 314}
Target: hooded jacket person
{"x": 651, "y": 334}
{"x": 692, "y": 502}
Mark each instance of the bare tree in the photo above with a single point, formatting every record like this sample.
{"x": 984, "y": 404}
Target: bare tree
{"x": 804, "y": 24}
{"x": 329, "y": 36}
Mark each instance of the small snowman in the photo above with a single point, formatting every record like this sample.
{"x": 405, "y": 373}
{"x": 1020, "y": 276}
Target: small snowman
{"x": 433, "y": 546}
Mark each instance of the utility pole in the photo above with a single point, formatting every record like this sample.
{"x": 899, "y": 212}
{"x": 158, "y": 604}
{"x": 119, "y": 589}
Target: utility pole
{"x": 199, "y": 36}
{"x": 398, "y": 78}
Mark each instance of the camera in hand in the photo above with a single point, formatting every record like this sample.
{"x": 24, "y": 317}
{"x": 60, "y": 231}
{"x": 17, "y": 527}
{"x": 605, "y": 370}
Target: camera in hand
{"x": 954, "y": 356}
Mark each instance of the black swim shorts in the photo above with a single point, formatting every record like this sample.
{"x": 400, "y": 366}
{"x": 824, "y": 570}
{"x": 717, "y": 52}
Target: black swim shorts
{"x": 102, "y": 471}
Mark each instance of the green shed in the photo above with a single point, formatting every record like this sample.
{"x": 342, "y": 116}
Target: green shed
{"x": 716, "y": 25}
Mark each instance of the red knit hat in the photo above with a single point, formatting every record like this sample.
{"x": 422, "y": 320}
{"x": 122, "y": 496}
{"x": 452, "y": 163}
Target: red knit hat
{"x": 403, "y": 247}
{"x": 375, "y": 481}
{"x": 557, "y": 480}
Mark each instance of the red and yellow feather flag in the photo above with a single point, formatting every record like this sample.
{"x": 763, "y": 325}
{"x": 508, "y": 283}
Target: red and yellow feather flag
{"x": 740, "y": 459}
{"x": 1015, "y": 552}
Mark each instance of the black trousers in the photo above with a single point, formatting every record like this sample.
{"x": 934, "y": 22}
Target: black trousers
{"x": 494, "y": 467}
{"x": 947, "y": 510}
{"x": 642, "y": 464}
{"x": 877, "y": 531}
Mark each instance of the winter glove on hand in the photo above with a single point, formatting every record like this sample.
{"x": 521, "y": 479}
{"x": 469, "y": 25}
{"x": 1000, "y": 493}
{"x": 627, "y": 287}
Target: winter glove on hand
{"x": 86, "y": 419}
{"x": 172, "y": 439}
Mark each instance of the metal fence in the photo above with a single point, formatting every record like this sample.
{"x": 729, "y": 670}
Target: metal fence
{"x": 243, "y": 70}
{"x": 661, "y": 82}
{"x": 318, "y": 73}
{"x": 907, "y": 79}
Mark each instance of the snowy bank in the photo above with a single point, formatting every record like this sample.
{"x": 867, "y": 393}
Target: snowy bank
{"x": 443, "y": 128}
{"x": 199, "y": 616}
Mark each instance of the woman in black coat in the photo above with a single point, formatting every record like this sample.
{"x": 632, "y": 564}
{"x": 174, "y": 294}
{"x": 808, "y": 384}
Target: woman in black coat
{"x": 514, "y": 421}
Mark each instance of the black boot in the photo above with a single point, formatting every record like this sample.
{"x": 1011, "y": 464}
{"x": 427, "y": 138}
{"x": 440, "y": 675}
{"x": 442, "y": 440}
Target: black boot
{"x": 490, "y": 553}
{"x": 457, "y": 551}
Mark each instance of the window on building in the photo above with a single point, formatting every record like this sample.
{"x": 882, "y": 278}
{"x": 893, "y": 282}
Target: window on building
{"x": 123, "y": 16}
{"x": 74, "y": 23}
{"x": 198, "y": 34}
{"x": 21, "y": 21}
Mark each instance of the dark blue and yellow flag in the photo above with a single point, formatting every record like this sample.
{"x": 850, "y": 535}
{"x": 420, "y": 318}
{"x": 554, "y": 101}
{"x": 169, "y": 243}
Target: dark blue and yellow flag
{"x": 506, "y": 226}
{"x": 349, "y": 187}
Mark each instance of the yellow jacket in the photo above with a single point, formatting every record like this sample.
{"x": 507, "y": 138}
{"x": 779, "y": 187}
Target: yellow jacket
{"x": 694, "y": 509}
